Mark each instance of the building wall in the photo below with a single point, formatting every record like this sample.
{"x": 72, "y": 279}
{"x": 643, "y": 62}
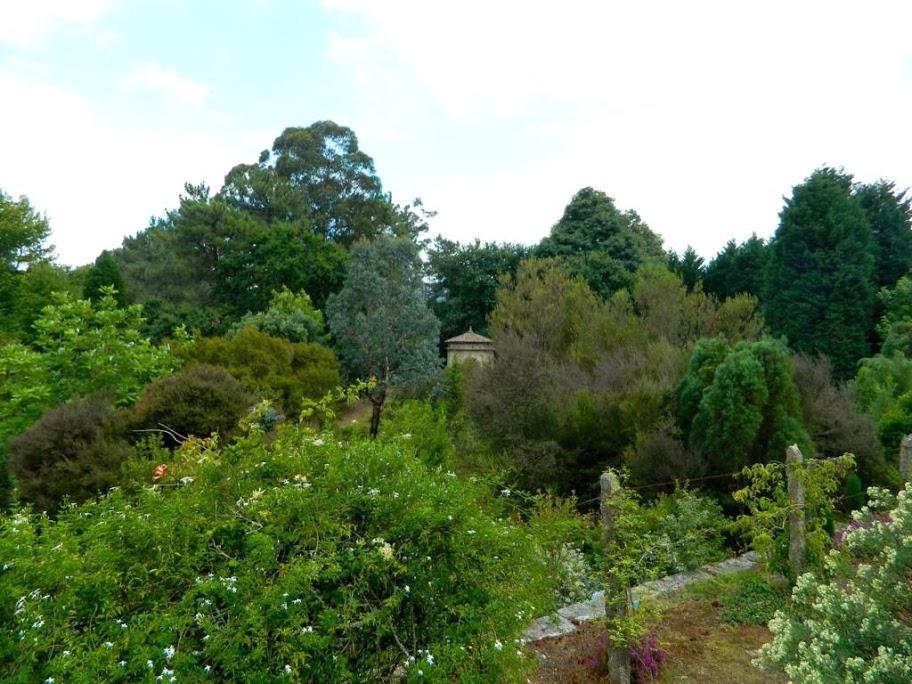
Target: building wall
{"x": 481, "y": 356}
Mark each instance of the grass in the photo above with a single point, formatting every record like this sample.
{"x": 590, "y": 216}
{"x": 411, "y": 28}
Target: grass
{"x": 745, "y": 598}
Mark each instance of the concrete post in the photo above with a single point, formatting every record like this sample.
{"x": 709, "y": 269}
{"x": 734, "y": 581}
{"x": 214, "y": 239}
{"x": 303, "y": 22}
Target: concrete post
{"x": 797, "y": 542}
{"x": 905, "y": 458}
{"x": 616, "y": 593}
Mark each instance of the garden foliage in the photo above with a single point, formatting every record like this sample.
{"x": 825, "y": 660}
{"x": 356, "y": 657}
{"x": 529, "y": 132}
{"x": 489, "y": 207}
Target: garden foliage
{"x": 271, "y": 367}
{"x": 765, "y": 496}
{"x": 849, "y": 623}
{"x": 80, "y": 348}
{"x": 200, "y": 400}
{"x": 270, "y": 559}
{"x": 738, "y": 404}
{"x": 73, "y": 452}
{"x": 290, "y": 315}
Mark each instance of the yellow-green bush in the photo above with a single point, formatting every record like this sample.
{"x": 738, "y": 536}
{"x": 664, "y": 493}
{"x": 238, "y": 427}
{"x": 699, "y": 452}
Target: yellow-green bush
{"x": 272, "y": 367}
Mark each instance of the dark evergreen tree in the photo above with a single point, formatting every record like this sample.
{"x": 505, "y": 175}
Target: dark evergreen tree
{"x": 103, "y": 274}
{"x": 820, "y": 291}
{"x": 600, "y": 243}
{"x": 738, "y": 405}
{"x": 737, "y": 269}
{"x": 464, "y": 281}
{"x": 689, "y": 266}
{"x": 890, "y": 214}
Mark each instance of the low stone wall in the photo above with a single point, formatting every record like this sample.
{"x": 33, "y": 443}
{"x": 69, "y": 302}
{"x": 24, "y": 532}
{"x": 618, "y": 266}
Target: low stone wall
{"x": 569, "y": 617}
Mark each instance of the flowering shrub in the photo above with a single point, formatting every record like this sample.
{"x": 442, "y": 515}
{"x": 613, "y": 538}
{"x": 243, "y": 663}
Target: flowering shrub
{"x": 646, "y": 660}
{"x": 851, "y": 623}
{"x": 288, "y": 558}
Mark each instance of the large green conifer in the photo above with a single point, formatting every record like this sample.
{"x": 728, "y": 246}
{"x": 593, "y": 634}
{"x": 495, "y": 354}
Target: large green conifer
{"x": 820, "y": 291}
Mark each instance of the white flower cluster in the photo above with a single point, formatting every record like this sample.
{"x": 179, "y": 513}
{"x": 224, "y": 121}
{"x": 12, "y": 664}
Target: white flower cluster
{"x": 384, "y": 547}
{"x": 849, "y": 625}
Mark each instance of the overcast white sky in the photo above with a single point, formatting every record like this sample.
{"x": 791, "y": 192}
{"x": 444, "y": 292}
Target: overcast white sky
{"x": 699, "y": 115}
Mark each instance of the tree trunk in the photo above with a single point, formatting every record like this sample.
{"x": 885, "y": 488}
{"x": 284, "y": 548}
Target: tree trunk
{"x": 377, "y": 406}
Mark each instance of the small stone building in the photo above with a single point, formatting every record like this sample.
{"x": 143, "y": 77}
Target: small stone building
{"x": 469, "y": 345}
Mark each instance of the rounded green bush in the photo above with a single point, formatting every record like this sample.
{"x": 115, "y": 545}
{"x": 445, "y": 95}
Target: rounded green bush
{"x": 284, "y": 559}
{"x": 272, "y": 367}
{"x": 200, "y": 400}
{"x": 74, "y": 451}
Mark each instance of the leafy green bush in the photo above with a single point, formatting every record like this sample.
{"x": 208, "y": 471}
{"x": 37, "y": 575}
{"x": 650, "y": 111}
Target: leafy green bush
{"x": 424, "y": 424}
{"x": 272, "y": 558}
{"x": 571, "y": 545}
{"x": 850, "y": 623}
{"x": 765, "y": 496}
{"x": 738, "y": 405}
{"x": 272, "y": 367}
{"x": 74, "y": 451}
{"x": 753, "y": 600}
{"x": 80, "y": 347}
{"x": 197, "y": 401}
{"x": 290, "y": 316}
{"x": 895, "y": 423}
{"x": 688, "y": 531}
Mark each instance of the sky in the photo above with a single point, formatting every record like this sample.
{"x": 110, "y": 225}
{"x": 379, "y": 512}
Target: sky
{"x": 699, "y": 115}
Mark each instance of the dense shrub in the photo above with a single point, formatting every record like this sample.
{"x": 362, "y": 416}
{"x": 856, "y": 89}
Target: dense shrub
{"x": 272, "y": 367}
{"x": 850, "y": 623}
{"x": 290, "y": 316}
{"x": 578, "y": 381}
{"x": 687, "y": 531}
{"x": 197, "y": 401}
{"x": 880, "y": 381}
{"x": 74, "y": 451}
{"x": 660, "y": 457}
{"x": 834, "y": 423}
{"x": 289, "y": 557}
{"x": 424, "y": 425}
{"x": 738, "y": 404}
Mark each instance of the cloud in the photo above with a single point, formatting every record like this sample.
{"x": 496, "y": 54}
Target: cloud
{"x": 177, "y": 89}
{"x": 25, "y": 22}
{"x": 96, "y": 179}
{"x": 699, "y": 115}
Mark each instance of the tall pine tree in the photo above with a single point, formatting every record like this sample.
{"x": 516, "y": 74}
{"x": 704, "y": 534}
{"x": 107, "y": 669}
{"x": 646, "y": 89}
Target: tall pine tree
{"x": 820, "y": 290}
{"x": 737, "y": 269}
{"x": 889, "y": 213}
{"x": 104, "y": 273}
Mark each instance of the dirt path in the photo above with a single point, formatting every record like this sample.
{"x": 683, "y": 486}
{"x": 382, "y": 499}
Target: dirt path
{"x": 701, "y": 650}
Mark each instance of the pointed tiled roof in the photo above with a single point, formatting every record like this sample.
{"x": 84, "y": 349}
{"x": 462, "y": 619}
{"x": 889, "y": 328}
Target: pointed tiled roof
{"x": 470, "y": 337}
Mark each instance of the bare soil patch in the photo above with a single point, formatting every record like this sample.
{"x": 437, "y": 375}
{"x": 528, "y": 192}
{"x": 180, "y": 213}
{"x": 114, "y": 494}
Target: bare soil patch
{"x": 701, "y": 649}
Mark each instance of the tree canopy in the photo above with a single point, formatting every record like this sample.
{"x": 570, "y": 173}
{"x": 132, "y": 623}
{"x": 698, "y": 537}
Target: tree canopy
{"x": 381, "y": 321}
{"x": 464, "y": 281}
{"x": 820, "y": 292}
{"x": 601, "y": 243}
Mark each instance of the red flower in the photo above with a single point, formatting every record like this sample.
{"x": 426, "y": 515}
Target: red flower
{"x": 160, "y": 471}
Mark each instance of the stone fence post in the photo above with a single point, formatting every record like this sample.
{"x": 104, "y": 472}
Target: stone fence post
{"x": 905, "y": 458}
{"x": 797, "y": 542}
{"x": 616, "y": 592}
